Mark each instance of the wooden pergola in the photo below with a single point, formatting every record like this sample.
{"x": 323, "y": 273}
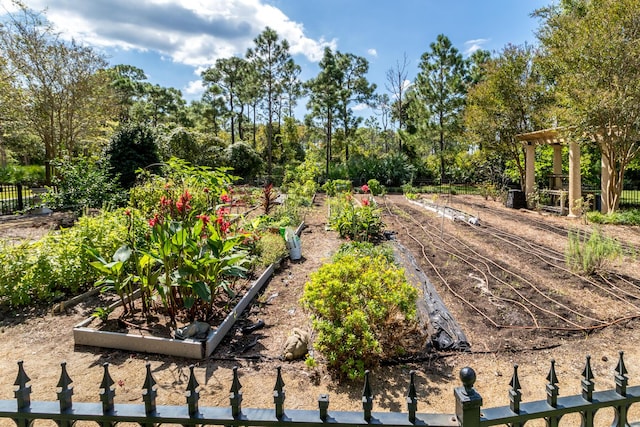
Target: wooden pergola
{"x": 556, "y": 139}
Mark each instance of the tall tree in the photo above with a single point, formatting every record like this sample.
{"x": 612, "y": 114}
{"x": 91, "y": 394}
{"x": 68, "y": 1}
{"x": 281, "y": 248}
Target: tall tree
{"x": 270, "y": 57}
{"x": 67, "y": 97}
{"x": 228, "y": 74}
{"x": 592, "y": 52}
{"x": 511, "y": 98}
{"x": 440, "y": 93}
{"x": 353, "y": 89}
{"x": 397, "y": 83}
{"x": 323, "y": 99}
{"x": 292, "y": 86}
{"x": 127, "y": 83}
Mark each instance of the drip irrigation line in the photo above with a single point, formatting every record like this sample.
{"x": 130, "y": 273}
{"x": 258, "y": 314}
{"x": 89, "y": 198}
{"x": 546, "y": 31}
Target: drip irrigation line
{"x": 576, "y": 328}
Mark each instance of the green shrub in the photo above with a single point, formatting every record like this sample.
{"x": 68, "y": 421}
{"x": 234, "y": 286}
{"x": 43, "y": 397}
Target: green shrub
{"x": 360, "y": 249}
{"x": 375, "y": 187}
{"x": 132, "y": 147}
{"x": 337, "y": 186}
{"x": 591, "y": 253}
{"x": 31, "y": 175}
{"x": 270, "y": 248}
{"x": 83, "y": 183}
{"x": 57, "y": 265}
{"x": 361, "y": 223}
{"x": 623, "y": 217}
{"x": 356, "y": 303}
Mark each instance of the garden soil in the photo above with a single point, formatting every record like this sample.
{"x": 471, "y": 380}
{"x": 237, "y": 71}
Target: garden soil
{"x": 43, "y": 340}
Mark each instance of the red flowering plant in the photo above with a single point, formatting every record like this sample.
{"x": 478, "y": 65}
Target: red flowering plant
{"x": 192, "y": 250}
{"x": 198, "y": 255}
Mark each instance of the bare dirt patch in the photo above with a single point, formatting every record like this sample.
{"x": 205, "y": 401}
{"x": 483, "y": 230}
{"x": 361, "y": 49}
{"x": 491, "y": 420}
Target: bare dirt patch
{"x": 44, "y": 340}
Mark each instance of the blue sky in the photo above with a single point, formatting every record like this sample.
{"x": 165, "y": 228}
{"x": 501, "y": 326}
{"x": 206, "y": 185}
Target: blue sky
{"x": 174, "y": 40}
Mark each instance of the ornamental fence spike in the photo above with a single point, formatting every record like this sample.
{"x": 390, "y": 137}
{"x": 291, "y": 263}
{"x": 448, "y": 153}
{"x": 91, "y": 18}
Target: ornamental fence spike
{"x": 235, "y": 394}
{"x": 278, "y": 394}
{"x": 108, "y": 391}
{"x": 588, "y": 385}
{"x": 621, "y": 377}
{"x": 149, "y": 391}
{"x": 367, "y": 397}
{"x": 515, "y": 393}
{"x": 412, "y": 397}
{"x": 323, "y": 405}
{"x": 66, "y": 389}
{"x": 552, "y": 387}
{"x": 22, "y": 392}
{"x": 193, "y": 395}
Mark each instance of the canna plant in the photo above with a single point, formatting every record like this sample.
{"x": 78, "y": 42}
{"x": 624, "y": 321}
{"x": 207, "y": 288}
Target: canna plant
{"x": 187, "y": 257}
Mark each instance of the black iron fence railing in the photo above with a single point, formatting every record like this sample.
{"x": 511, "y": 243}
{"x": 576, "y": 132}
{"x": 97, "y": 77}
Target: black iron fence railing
{"x": 468, "y": 404}
{"x": 15, "y": 198}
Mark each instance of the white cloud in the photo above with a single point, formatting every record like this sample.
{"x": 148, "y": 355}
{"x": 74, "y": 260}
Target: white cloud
{"x": 373, "y": 52}
{"x": 473, "y": 45}
{"x": 192, "y": 32}
{"x": 360, "y": 107}
{"x": 194, "y": 89}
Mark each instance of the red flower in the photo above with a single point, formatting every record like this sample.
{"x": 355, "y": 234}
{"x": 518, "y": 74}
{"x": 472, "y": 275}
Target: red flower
{"x": 365, "y": 202}
{"x": 164, "y": 201}
{"x": 206, "y": 190}
{"x": 365, "y": 188}
{"x": 204, "y": 218}
{"x": 183, "y": 203}
{"x": 225, "y": 198}
{"x": 127, "y": 212}
{"x": 223, "y": 211}
{"x": 155, "y": 220}
{"x": 224, "y": 227}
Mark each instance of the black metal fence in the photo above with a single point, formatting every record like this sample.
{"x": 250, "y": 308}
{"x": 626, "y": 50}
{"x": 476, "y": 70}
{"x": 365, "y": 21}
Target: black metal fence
{"x": 468, "y": 404}
{"x": 15, "y": 198}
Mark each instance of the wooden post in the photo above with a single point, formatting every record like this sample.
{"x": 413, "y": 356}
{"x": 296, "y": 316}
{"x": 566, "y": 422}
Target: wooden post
{"x": 530, "y": 171}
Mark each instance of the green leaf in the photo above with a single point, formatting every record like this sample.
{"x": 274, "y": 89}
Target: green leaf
{"x": 202, "y": 290}
{"x": 122, "y": 254}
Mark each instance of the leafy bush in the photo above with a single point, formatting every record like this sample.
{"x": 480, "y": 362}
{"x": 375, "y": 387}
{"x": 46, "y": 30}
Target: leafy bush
{"x": 591, "y": 253}
{"x": 270, "y": 248}
{"x": 337, "y": 186}
{"x": 361, "y": 223}
{"x": 356, "y": 303}
{"x": 132, "y": 147}
{"x": 375, "y": 187}
{"x": 361, "y": 249}
{"x": 32, "y": 175}
{"x": 624, "y": 217}
{"x": 83, "y": 183}
{"x": 244, "y": 160}
{"x": 57, "y": 265}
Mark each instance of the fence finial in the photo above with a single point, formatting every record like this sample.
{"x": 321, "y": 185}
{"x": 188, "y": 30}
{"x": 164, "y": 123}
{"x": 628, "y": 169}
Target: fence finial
{"x": 66, "y": 389}
{"x": 468, "y": 400}
{"x": 412, "y": 397}
{"x": 323, "y": 406}
{"x": 236, "y": 395}
{"x": 587, "y": 382}
{"x": 367, "y": 397}
{"x": 515, "y": 393}
{"x": 108, "y": 392}
{"x": 193, "y": 395}
{"x": 149, "y": 392}
{"x": 22, "y": 392}
{"x": 278, "y": 394}
{"x": 552, "y": 386}
{"x": 621, "y": 377}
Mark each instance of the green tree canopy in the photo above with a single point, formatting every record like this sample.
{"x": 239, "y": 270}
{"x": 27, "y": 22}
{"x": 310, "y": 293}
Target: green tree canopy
{"x": 592, "y": 53}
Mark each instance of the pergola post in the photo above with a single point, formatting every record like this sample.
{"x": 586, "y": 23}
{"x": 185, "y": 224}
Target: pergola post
{"x": 575, "y": 183}
{"x": 529, "y": 170}
{"x": 557, "y": 167}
